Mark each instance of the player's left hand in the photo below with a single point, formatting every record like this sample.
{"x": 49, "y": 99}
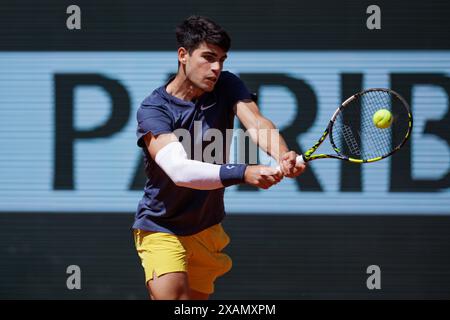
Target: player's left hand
{"x": 288, "y": 165}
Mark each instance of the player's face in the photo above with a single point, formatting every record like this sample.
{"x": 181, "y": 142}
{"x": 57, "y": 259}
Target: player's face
{"x": 204, "y": 65}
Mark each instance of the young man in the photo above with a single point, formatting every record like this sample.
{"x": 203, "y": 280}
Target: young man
{"x": 178, "y": 232}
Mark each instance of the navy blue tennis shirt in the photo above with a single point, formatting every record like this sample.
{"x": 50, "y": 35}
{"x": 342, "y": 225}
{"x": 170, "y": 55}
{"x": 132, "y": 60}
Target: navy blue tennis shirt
{"x": 165, "y": 206}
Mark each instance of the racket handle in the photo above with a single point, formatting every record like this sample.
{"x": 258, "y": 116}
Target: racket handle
{"x": 298, "y": 160}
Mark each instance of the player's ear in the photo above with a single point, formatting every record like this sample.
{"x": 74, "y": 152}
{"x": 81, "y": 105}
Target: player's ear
{"x": 182, "y": 55}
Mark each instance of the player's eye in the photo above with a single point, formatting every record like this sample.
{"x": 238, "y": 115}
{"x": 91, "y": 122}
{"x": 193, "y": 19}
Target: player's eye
{"x": 210, "y": 58}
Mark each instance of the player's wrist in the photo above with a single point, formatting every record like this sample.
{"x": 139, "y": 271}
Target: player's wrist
{"x": 231, "y": 174}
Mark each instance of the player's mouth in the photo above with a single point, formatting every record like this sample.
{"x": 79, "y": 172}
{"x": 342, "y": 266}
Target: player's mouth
{"x": 212, "y": 79}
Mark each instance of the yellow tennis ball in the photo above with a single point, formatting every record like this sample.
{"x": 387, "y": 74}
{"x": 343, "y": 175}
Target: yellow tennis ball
{"x": 382, "y": 119}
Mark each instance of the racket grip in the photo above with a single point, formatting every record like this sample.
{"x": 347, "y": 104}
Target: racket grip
{"x": 298, "y": 160}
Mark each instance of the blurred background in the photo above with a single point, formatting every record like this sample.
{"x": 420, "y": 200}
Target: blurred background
{"x": 71, "y": 174}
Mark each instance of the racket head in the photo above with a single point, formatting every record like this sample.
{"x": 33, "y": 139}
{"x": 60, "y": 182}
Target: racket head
{"x": 355, "y": 137}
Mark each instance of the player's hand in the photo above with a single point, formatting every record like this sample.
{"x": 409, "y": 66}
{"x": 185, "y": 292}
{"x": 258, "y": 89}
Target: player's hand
{"x": 262, "y": 176}
{"x": 288, "y": 165}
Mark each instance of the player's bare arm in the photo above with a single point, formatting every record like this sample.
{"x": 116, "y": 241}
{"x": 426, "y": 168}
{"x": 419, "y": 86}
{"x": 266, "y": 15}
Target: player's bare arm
{"x": 263, "y": 134}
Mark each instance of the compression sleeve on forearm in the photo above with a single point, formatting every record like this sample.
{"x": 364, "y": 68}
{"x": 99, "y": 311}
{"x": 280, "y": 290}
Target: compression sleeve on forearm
{"x": 184, "y": 172}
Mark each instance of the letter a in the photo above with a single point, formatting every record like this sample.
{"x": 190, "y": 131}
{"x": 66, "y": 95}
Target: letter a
{"x": 74, "y": 20}
{"x": 373, "y": 21}
{"x": 374, "y": 281}
{"x": 74, "y": 281}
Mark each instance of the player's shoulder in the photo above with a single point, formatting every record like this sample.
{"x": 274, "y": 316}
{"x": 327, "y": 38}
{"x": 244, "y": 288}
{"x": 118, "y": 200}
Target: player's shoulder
{"x": 154, "y": 99}
{"x": 228, "y": 81}
{"x": 227, "y": 76}
{"x": 158, "y": 99}
{"x": 155, "y": 102}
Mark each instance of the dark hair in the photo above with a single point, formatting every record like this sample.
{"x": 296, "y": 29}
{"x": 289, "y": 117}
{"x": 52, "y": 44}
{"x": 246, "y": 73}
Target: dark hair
{"x": 197, "y": 29}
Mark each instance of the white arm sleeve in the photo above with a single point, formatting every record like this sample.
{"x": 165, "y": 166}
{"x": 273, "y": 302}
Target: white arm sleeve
{"x": 184, "y": 172}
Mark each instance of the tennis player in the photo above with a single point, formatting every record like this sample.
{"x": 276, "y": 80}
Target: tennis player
{"x": 177, "y": 229}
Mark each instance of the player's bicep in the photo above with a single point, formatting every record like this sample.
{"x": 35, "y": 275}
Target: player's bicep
{"x": 156, "y": 143}
{"x": 250, "y": 116}
{"x": 248, "y": 113}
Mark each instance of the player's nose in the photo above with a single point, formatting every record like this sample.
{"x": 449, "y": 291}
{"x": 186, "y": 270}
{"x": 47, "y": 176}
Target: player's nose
{"x": 215, "y": 67}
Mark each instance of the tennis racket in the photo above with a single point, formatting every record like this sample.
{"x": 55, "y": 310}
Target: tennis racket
{"x": 354, "y": 136}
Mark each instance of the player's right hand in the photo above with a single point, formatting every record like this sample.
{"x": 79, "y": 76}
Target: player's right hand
{"x": 262, "y": 176}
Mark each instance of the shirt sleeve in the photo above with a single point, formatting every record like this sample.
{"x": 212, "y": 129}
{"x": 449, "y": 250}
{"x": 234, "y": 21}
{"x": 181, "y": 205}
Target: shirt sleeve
{"x": 235, "y": 87}
{"x": 154, "y": 119}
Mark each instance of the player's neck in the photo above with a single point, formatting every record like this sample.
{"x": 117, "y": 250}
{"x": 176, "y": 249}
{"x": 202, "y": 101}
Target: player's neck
{"x": 184, "y": 89}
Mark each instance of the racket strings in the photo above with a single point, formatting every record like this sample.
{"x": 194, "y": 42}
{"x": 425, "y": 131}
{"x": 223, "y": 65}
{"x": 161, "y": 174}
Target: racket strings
{"x": 376, "y": 142}
{"x": 354, "y": 133}
{"x": 350, "y": 140}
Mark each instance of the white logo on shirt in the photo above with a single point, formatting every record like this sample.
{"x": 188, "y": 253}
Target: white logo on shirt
{"x": 229, "y": 167}
{"x": 207, "y": 107}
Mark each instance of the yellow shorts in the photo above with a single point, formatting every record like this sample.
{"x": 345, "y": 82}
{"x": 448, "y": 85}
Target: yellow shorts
{"x": 198, "y": 255}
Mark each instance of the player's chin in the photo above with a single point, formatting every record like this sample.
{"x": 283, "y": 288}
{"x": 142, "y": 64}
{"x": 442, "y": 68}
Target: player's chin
{"x": 208, "y": 85}
{"x": 208, "y": 89}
